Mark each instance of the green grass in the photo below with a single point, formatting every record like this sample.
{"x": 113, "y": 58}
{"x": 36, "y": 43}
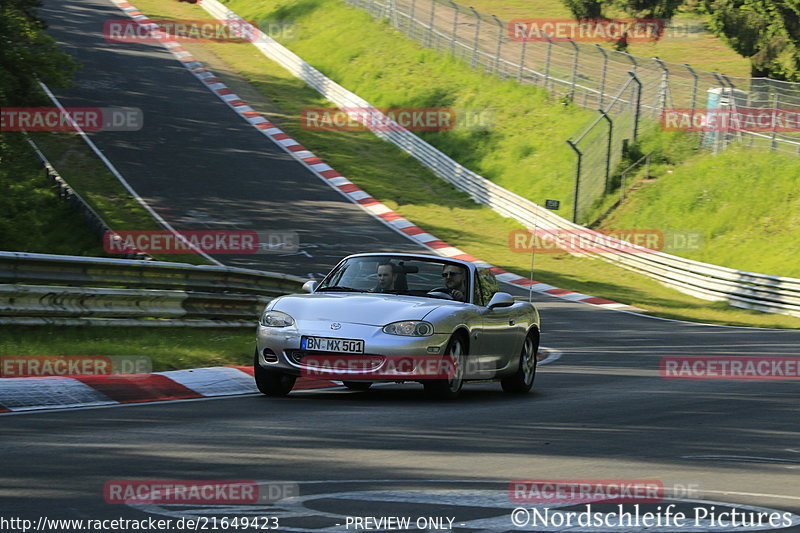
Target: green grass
{"x": 396, "y": 179}
{"x": 167, "y": 348}
{"x": 701, "y": 49}
{"x": 749, "y": 221}
{"x": 32, "y": 217}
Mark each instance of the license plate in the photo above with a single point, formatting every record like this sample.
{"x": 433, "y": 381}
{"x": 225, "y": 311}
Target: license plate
{"x": 324, "y": 344}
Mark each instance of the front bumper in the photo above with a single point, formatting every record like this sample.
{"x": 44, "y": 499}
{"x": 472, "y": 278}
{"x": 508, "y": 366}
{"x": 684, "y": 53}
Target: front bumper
{"x": 385, "y": 358}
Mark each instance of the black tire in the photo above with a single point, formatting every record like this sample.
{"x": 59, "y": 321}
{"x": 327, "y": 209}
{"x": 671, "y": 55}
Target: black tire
{"x": 357, "y": 385}
{"x": 449, "y": 389}
{"x": 270, "y": 382}
{"x": 522, "y": 380}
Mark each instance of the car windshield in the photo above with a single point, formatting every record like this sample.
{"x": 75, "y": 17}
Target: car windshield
{"x": 433, "y": 278}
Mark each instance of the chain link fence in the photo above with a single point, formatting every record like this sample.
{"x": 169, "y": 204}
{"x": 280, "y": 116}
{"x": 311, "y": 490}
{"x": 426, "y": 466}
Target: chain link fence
{"x": 599, "y": 148}
{"x": 588, "y": 74}
{"x": 626, "y": 89}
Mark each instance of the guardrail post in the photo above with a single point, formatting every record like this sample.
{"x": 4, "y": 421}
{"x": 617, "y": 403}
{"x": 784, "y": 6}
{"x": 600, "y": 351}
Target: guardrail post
{"x": 577, "y": 181}
{"x": 499, "y": 44}
{"x": 474, "y": 61}
{"x": 603, "y": 75}
{"x": 430, "y": 24}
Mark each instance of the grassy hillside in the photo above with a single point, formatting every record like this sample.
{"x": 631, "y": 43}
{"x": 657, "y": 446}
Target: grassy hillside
{"x": 524, "y": 150}
{"x": 746, "y": 205}
{"x": 392, "y": 176}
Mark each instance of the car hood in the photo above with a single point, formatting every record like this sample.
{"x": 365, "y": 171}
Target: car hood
{"x": 369, "y": 309}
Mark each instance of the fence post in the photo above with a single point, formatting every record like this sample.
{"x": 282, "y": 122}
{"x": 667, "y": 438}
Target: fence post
{"x": 637, "y": 106}
{"x": 455, "y": 28}
{"x": 393, "y": 11}
{"x": 547, "y": 59}
{"x": 522, "y": 62}
{"x": 664, "y": 89}
{"x": 430, "y": 24}
{"x": 603, "y": 75}
{"x": 499, "y": 44}
{"x": 474, "y": 61}
{"x": 574, "y": 69}
{"x": 773, "y": 146}
{"x": 608, "y": 150}
{"x": 694, "y": 91}
{"x": 577, "y": 181}
{"x": 632, "y": 60}
{"x": 411, "y": 19}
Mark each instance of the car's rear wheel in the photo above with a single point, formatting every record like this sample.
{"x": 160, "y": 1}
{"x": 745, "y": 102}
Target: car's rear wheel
{"x": 448, "y": 389}
{"x": 357, "y": 385}
{"x": 522, "y": 381}
{"x": 271, "y": 382}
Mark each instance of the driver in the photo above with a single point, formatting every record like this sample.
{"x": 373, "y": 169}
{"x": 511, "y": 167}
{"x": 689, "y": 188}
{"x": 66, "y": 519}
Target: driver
{"x": 456, "y": 283}
{"x": 386, "y": 277}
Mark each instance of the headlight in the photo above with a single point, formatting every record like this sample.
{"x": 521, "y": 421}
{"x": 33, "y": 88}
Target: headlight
{"x": 409, "y": 328}
{"x": 276, "y": 319}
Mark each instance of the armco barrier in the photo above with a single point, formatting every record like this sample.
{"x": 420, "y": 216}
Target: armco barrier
{"x": 739, "y": 288}
{"x": 53, "y": 289}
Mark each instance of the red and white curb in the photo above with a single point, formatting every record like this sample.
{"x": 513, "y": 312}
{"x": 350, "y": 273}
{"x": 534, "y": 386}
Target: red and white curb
{"x": 35, "y": 393}
{"x": 45, "y": 393}
{"x": 341, "y": 184}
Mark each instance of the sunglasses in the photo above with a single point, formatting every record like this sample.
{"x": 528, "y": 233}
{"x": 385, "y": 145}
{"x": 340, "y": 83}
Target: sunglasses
{"x": 450, "y": 274}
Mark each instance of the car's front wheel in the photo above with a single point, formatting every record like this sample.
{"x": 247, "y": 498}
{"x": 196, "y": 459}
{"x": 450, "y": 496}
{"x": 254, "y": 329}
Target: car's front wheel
{"x": 522, "y": 381}
{"x": 271, "y": 382}
{"x": 450, "y": 388}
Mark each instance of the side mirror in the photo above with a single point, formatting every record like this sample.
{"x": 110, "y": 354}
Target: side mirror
{"x": 310, "y": 285}
{"x": 501, "y": 299}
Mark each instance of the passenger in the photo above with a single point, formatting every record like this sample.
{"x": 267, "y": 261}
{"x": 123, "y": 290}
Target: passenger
{"x": 455, "y": 281}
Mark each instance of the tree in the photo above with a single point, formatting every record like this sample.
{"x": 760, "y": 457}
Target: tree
{"x": 646, "y": 9}
{"x": 766, "y": 31}
{"x": 28, "y": 53}
{"x": 585, "y": 9}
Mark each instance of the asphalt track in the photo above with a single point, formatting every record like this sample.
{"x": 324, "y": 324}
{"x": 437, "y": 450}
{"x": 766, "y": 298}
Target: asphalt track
{"x": 602, "y": 411}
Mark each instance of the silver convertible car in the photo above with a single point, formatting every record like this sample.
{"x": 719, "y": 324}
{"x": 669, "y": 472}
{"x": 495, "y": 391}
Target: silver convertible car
{"x": 382, "y": 317}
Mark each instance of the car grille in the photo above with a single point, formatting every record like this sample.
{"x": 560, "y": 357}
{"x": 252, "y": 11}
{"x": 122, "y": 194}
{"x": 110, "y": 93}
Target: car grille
{"x": 296, "y": 356}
